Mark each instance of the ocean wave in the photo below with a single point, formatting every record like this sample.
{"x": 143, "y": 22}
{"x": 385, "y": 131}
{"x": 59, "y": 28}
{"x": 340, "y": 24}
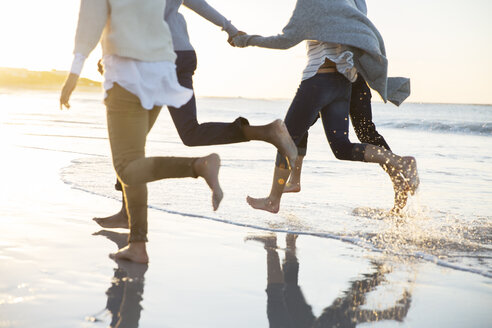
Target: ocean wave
{"x": 442, "y": 238}
{"x": 462, "y": 128}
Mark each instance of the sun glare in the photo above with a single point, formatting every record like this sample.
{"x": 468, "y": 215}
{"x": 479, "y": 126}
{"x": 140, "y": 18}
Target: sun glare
{"x": 39, "y": 35}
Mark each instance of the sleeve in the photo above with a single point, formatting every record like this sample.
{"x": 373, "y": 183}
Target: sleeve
{"x": 202, "y": 8}
{"x": 273, "y": 42}
{"x": 93, "y": 16}
{"x": 77, "y": 63}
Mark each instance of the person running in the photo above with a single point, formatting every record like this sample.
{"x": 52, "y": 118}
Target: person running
{"x": 365, "y": 129}
{"x": 139, "y": 78}
{"x": 342, "y": 43}
{"x": 185, "y": 120}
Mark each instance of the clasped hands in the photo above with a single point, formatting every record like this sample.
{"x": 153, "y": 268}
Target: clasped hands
{"x": 239, "y": 40}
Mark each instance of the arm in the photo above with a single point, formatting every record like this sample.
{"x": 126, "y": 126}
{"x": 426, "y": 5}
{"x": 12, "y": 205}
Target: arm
{"x": 93, "y": 16}
{"x": 202, "y": 8}
{"x": 280, "y": 41}
{"x": 72, "y": 79}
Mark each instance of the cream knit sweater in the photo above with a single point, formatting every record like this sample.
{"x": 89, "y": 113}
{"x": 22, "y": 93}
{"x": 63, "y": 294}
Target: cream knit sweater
{"x": 129, "y": 28}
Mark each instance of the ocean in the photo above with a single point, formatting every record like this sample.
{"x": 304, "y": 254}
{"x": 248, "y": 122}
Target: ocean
{"x": 448, "y": 222}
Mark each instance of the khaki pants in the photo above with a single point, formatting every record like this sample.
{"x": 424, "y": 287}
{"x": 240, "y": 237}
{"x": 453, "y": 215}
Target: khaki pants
{"x": 128, "y": 126}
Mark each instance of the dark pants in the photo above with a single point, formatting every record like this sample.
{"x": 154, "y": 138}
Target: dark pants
{"x": 326, "y": 95}
{"x": 361, "y": 117}
{"x": 190, "y": 131}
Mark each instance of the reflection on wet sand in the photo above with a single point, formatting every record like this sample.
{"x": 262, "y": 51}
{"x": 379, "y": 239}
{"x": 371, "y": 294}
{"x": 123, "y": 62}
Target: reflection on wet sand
{"x": 127, "y": 287}
{"x": 287, "y": 307}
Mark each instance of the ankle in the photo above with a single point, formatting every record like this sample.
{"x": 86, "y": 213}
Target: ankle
{"x": 138, "y": 246}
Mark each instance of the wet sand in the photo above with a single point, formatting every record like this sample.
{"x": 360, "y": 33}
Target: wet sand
{"x": 55, "y": 270}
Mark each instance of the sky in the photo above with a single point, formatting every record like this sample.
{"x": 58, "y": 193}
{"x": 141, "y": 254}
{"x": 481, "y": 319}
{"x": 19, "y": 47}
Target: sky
{"x": 443, "y": 46}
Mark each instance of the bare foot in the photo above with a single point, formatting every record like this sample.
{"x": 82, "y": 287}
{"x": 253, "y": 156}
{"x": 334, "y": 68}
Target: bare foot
{"x": 279, "y": 136}
{"x": 263, "y": 204}
{"x": 208, "y": 168}
{"x": 401, "y": 193}
{"x": 410, "y": 174}
{"x": 135, "y": 252}
{"x": 292, "y": 187}
{"x": 118, "y": 220}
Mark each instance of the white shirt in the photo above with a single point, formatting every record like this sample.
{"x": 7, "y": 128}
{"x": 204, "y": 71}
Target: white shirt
{"x": 339, "y": 54}
{"x": 154, "y": 83}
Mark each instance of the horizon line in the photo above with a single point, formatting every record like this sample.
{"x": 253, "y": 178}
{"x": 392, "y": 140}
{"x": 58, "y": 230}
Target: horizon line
{"x": 256, "y": 98}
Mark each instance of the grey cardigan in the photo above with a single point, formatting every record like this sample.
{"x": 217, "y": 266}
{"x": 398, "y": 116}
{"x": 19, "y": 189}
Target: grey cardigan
{"x": 343, "y": 22}
{"x": 177, "y": 23}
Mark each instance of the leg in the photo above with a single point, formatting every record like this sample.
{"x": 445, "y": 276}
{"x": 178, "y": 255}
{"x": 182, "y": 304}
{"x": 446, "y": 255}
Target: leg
{"x": 127, "y": 128}
{"x": 215, "y": 133}
{"x": 185, "y": 118}
{"x": 294, "y": 183}
{"x": 120, "y": 219}
{"x": 365, "y": 129}
{"x": 272, "y": 202}
{"x": 128, "y": 125}
{"x": 361, "y": 115}
{"x": 300, "y": 116}
{"x": 336, "y": 129}
{"x": 406, "y": 166}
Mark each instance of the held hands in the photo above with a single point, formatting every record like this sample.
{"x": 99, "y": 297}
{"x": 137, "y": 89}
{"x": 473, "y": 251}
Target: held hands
{"x": 239, "y": 40}
{"x": 67, "y": 90}
{"x": 232, "y": 37}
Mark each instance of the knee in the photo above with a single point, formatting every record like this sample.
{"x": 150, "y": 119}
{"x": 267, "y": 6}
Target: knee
{"x": 347, "y": 151}
{"x": 342, "y": 149}
{"x": 187, "y": 140}
{"x": 341, "y": 155}
{"x": 123, "y": 170}
{"x": 123, "y": 177}
{"x": 187, "y": 134}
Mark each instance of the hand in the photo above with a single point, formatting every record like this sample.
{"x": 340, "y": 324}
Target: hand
{"x": 230, "y": 39}
{"x": 241, "y": 40}
{"x": 100, "y": 67}
{"x": 67, "y": 90}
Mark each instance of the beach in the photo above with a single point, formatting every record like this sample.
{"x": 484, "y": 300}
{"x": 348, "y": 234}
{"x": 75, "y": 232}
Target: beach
{"x": 331, "y": 256}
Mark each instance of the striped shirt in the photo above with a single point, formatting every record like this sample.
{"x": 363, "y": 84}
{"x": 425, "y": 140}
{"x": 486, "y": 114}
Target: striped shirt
{"x": 339, "y": 54}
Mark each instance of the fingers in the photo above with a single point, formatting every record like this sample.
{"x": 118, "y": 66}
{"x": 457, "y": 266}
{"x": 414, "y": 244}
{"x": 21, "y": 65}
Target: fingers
{"x": 64, "y": 97}
{"x": 67, "y": 90}
{"x": 231, "y": 38}
{"x": 64, "y": 103}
